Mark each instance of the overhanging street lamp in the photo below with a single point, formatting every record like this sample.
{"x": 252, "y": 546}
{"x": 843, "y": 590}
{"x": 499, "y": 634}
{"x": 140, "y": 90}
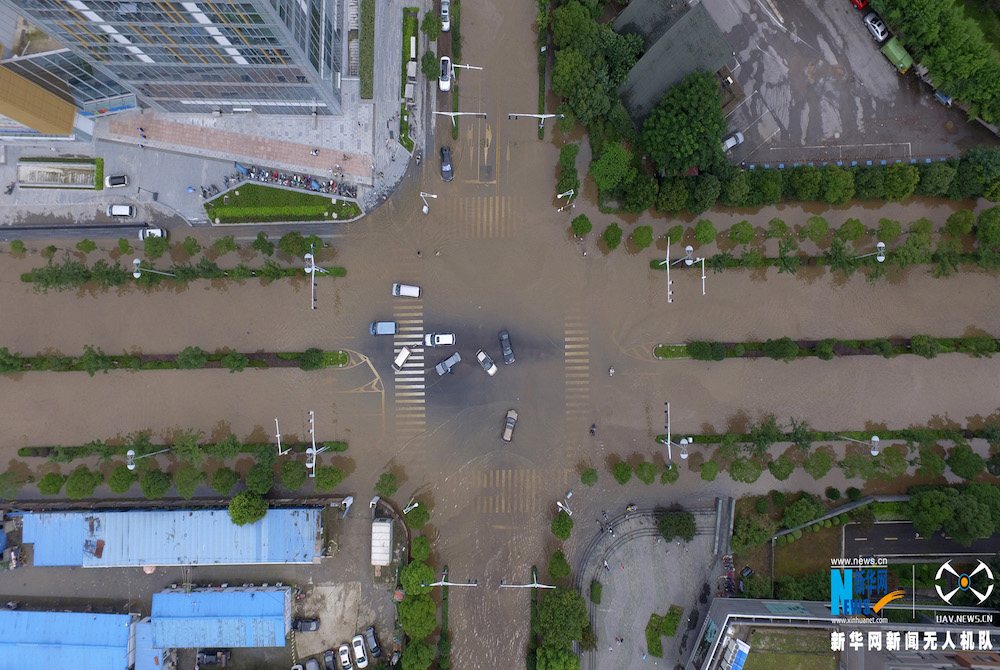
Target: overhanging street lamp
{"x": 277, "y": 435}
{"x": 533, "y": 585}
{"x": 423, "y": 196}
{"x": 137, "y": 270}
{"x": 879, "y": 253}
{"x": 410, "y": 506}
{"x": 444, "y": 581}
{"x": 541, "y": 117}
{"x": 569, "y": 199}
{"x": 312, "y": 452}
{"x": 455, "y": 114}
{"x": 131, "y": 458}
{"x": 689, "y": 260}
{"x": 872, "y": 443}
{"x": 311, "y": 269}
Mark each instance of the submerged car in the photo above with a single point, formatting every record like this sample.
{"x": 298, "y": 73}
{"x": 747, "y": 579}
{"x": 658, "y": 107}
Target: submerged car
{"x": 488, "y": 365}
{"x": 508, "y": 425}
{"x": 505, "y": 347}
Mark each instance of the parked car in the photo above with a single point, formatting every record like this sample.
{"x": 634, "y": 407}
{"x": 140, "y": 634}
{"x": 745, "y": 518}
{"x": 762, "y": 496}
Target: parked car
{"x": 444, "y": 81}
{"x": 448, "y": 364}
{"x": 506, "y": 348}
{"x": 508, "y": 425}
{"x": 943, "y": 98}
{"x": 121, "y": 210}
{"x": 445, "y": 15}
{"x": 876, "y": 27}
{"x": 345, "y": 657}
{"x": 115, "y": 181}
{"x": 305, "y": 625}
{"x": 220, "y": 657}
{"x": 373, "y": 646}
{"x": 313, "y": 664}
{"x": 360, "y": 657}
{"x": 329, "y": 660}
{"x": 860, "y": 4}
{"x": 401, "y": 358}
{"x": 439, "y": 339}
{"x": 151, "y": 232}
{"x": 447, "y": 173}
{"x": 733, "y": 140}
{"x": 382, "y": 328}
{"x": 484, "y": 360}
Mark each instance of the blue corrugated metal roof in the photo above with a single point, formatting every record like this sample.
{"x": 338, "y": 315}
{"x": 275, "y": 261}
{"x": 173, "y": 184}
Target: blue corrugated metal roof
{"x": 171, "y": 537}
{"x": 63, "y": 640}
{"x": 147, "y": 656}
{"x": 223, "y": 618}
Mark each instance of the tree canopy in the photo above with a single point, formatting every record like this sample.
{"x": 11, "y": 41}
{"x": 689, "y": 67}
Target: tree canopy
{"x": 562, "y": 616}
{"x": 685, "y": 129}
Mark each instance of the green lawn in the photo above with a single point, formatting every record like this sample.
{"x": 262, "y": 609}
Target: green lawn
{"x": 798, "y": 650}
{"x": 366, "y": 46}
{"x": 257, "y": 203}
{"x": 671, "y": 351}
{"x": 808, "y": 554}
{"x": 987, "y": 18}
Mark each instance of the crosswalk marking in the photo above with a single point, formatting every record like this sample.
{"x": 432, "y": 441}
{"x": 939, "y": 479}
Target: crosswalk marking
{"x": 506, "y": 491}
{"x": 478, "y": 217}
{"x": 409, "y": 395}
{"x": 576, "y": 378}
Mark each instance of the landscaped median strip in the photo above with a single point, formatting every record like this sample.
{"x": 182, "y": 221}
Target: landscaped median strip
{"x": 94, "y": 360}
{"x": 787, "y": 349}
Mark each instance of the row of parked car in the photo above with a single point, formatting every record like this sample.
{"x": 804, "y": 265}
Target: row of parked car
{"x": 347, "y": 656}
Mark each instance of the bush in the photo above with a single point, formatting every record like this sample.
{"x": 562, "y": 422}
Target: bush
{"x": 417, "y": 517}
{"x": 676, "y": 523}
{"x": 741, "y": 233}
{"x": 675, "y": 233}
{"x": 186, "y": 480}
{"x": 328, "y": 477}
{"x": 386, "y": 486}
{"x": 745, "y": 470}
{"x": 815, "y": 230}
{"x": 802, "y": 511}
{"x": 706, "y": 351}
{"x": 420, "y": 548}
{"x": 653, "y": 634}
{"x": 558, "y": 565}
{"x": 260, "y": 478}
{"x": 311, "y": 359}
{"x": 925, "y": 345}
{"x": 223, "y": 480}
{"x": 642, "y": 237}
{"x": 670, "y": 475}
{"x": 235, "y": 361}
{"x": 781, "y": 468}
{"x": 562, "y": 525}
{"x": 595, "y": 592}
{"x": 853, "y": 494}
{"x": 832, "y": 493}
{"x": 293, "y": 475}
{"x": 121, "y": 479}
{"x": 645, "y": 472}
{"x": 818, "y": 463}
{"x": 622, "y": 472}
{"x": 51, "y": 484}
{"x": 247, "y": 507}
{"x": 851, "y": 231}
{"x": 154, "y": 484}
{"x": 17, "y": 248}
{"x": 581, "y": 225}
{"x": 749, "y": 532}
{"x": 960, "y": 223}
{"x": 704, "y": 232}
{"x": 263, "y": 245}
{"x": 782, "y": 349}
{"x": 709, "y": 470}
{"x": 964, "y": 462}
{"x": 613, "y": 236}
{"x": 191, "y": 358}
{"x": 589, "y": 477}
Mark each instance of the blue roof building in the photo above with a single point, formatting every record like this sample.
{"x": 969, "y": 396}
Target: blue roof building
{"x": 64, "y": 640}
{"x": 147, "y": 655}
{"x": 230, "y": 617}
{"x": 171, "y": 537}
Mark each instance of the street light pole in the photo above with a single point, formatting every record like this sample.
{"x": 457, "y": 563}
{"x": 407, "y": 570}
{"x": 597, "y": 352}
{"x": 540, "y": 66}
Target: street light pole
{"x": 131, "y": 458}
{"x": 312, "y": 452}
{"x": 879, "y": 253}
{"x": 137, "y": 270}
{"x": 455, "y": 114}
{"x": 311, "y": 270}
{"x": 277, "y": 435}
{"x": 569, "y": 199}
{"x": 541, "y": 117}
{"x": 423, "y": 196}
{"x": 533, "y": 585}
{"x": 689, "y": 260}
{"x": 872, "y": 443}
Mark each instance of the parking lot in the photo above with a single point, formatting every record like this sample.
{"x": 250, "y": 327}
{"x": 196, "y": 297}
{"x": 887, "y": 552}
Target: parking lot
{"x": 817, "y": 88}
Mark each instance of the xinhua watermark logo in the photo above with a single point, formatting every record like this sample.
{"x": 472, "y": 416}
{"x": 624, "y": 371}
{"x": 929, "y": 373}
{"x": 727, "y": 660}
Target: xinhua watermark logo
{"x": 859, "y": 588}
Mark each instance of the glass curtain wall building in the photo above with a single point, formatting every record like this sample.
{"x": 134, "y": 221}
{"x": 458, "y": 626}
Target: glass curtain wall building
{"x": 264, "y": 56}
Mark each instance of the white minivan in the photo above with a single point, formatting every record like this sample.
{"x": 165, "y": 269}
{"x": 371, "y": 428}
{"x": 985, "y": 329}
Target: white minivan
{"x": 401, "y": 358}
{"x": 406, "y": 290}
{"x": 121, "y": 210}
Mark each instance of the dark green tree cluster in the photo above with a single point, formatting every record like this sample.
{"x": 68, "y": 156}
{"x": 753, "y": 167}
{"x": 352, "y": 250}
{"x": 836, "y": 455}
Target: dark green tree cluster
{"x": 685, "y": 129}
{"x": 676, "y": 522}
{"x": 966, "y": 515}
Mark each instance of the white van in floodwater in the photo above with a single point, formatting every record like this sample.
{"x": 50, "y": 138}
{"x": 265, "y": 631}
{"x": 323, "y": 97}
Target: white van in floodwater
{"x": 406, "y": 290}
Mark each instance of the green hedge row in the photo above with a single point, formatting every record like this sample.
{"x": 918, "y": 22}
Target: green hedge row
{"x": 73, "y": 274}
{"x": 916, "y": 435}
{"x": 226, "y": 449}
{"x": 787, "y": 349}
{"x": 367, "y": 49}
{"x": 94, "y": 360}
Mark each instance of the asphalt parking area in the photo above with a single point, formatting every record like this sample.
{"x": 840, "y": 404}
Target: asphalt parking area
{"x": 818, "y": 89}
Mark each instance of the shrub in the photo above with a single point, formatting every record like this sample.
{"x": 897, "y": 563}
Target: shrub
{"x": 186, "y": 480}
{"x": 889, "y": 229}
{"x": 247, "y": 507}
{"x": 832, "y": 492}
{"x": 155, "y": 247}
{"x": 386, "y": 486}
{"x": 782, "y": 349}
{"x": 595, "y": 592}
{"x": 653, "y": 634}
{"x": 589, "y": 476}
{"x": 235, "y": 361}
{"x": 51, "y": 484}
{"x": 676, "y": 523}
{"x": 709, "y": 470}
{"x": 960, "y": 223}
{"x": 121, "y": 479}
{"x": 675, "y": 233}
{"x": 581, "y": 225}
{"x": 802, "y": 511}
{"x": 562, "y": 525}
{"x": 613, "y": 236}
{"x": 622, "y": 472}
{"x": 964, "y": 462}
{"x": 815, "y": 230}
{"x": 420, "y": 548}
{"x": 851, "y": 231}
{"x": 745, "y": 470}
{"x": 882, "y": 347}
{"x": 853, "y": 494}
{"x": 781, "y": 468}
{"x": 978, "y": 346}
{"x": 642, "y": 237}
{"x": 558, "y": 565}
{"x": 328, "y": 477}
{"x": 776, "y": 229}
{"x": 417, "y": 517}
{"x": 263, "y": 245}
{"x": 260, "y": 478}
{"x": 741, "y": 233}
{"x": 749, "y": 532}
{"x": 925, "y": 345}
{"x": 224, "y": 479}
{"x": 82, "y": 482}
{"x": 293, "y": 475}
{"x": 17, "y": 248}
{"x": 85, "y": 246}
{"x": 670, "y": 475}
{"x": 191, "y": 358}
{"x": 645, "y": 472}
{"x": 311, "y": 359}
{"x": 761, "y": 505}
{"x": 154, "y": 484}
{"x": 704, "y": 232}
{"x": 706, "y": 351}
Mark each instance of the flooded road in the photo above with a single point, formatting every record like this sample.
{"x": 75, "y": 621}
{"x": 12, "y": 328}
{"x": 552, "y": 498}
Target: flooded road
{"x": 493, "y": 253}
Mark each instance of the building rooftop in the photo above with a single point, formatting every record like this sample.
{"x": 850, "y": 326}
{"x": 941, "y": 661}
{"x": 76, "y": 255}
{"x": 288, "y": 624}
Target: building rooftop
{"x": 673, "y": 50}
{"x": 171, "y": 537}
{"x": 63, "y": 640}
{"x": 232, "y": 617}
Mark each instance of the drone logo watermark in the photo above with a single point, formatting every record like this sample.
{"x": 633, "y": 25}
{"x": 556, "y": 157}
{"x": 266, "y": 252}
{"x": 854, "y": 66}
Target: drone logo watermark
{"x": 861, "y": 591}
{"x": 964, "y": 582}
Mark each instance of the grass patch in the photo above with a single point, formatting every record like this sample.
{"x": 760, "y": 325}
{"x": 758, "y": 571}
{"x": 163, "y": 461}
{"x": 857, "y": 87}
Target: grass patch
{"x": 366, "y": 48}
{"x": 653, "y": 643}
{"x": 791, "y": 560}
{"x": 669, "y": 623}
{"x": 891, "y": 511}
{"x": 404, "y": 127}
{"x": 668, "y": 351}
{"x": 99, "y": 174}
{"x": 595, "y": 592}
{"x": 802, "y": 650}
{"x": 411, "y": 24}
{"x": 257, "y": 203}
{"x": 456, "y": 31}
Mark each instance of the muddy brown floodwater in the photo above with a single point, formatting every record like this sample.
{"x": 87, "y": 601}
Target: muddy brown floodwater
{"x": 495, "y": 254}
